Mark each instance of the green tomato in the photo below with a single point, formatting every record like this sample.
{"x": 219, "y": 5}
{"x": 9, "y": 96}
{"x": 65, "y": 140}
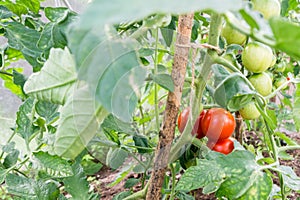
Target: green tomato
{"x": 268, "y": 8}
{"x": 270, "y": 74}
{"x": 262, "y": 83}
{"x": 280, "y": 67}
{"x": 257, "y": 57}
{"x": 279, "y": 81}
{"x": 249, "y": 111}
{"x": 233, "y": 36}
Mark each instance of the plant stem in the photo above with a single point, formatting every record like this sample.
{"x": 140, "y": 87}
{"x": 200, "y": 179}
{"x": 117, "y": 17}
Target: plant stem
{"x": 6, "y": 73}
{"x": 155, "y": 85}
{"x": 172, "y": 197}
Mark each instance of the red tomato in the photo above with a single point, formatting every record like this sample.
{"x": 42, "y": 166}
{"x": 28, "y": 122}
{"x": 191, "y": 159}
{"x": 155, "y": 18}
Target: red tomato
{"x": 223, "y": 146}
{"x": 218, "y": 124}
{"x": 182, "y": 120}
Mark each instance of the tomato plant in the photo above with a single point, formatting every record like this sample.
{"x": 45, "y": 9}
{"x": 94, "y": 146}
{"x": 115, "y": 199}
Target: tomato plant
{"x": 218, "y": 124}
{"x": 249, "y": 111}
{"x": 232, "y": 36}
{"x": 225, "y": 146}
{"x": 269, "y": 8}
{"x": 183, "y": 118}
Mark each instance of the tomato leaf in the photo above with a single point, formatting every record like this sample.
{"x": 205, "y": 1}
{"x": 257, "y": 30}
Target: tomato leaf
{"x": 54, "y": 166}
{"x": 80, "y": 119}
{"x": 289, "y": 40}
{"x": 56, "y": 80}
{"x": 296, "y": 108}
{"x": 233, "y": 92}
{"x": 47, "y": 110}
{"x": 24, "y": 121}
{"x": 290, "y": 178}
{"x": 164, "y": 80}
{"x": 31, "y": 189}
{"x": 206, "y": 172}
{"x": 25, "y": 40}
{"x": 116, "y": 157}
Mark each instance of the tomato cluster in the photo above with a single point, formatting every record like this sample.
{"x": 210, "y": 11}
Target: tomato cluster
{"x": 216, "y": 124}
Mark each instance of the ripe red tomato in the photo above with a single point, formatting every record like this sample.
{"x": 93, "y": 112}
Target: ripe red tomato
{"x": 217, "y": 124}
{"x": 223, "y": 146}
{"x": 182, "y": 120}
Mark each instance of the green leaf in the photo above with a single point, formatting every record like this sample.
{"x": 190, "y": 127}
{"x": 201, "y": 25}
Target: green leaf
{"x": 25, "y": 40}
{"x": 260, "y": 189}
{"x": 5, "y": 13}
{"x": 77, "y": 185}
{"x": 131, "y": 182}
{"x": 53, "y": 34}
{"x": 11, "y": 158}
{"x": 164, "y": 80}
{"x": 243, "y": 177}
{"x": 113, "y": 123}
{"x": 121, "y": 175}
{"x": 206, "y": 172}
{"x": 142, "y": 141}
{"x": 116, "y": 157}
{"x": 56, "y": 81}
{"x": 80, "y": 119}
{"x": 296, "y": 108}
{"x": 233, "y": 92}
{"x": 32, "y": 5}
{"x": 288, "y": 40}
{"x": 290, "y": 178}
{"x": 24, "y": 121}
{"x": 9, "y": 82}
{"x": 47, "y": 110}
{"x": 184, "y": 196}
{"x": 122, "y": 195}
{"x": 19, "y": 78}
{"x": 16, "y": 8}
{"x": 31, "y": 189}
{"x": 114, "y": 75}
{"x": 53, "y": 165}
{"x": 90, "y": 167}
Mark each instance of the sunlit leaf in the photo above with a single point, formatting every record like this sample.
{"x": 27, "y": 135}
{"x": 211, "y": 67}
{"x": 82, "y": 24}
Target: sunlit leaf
{"x": 56, "y": 80}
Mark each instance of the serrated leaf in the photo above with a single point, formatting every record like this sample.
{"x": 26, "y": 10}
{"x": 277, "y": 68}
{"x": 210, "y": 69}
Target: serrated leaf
{"x": 55, "y": 82}
{"x": 31, "y": 189}
{"x": 206, "y": 172}
{"x": 24, "y": 121}
{"x": 116, "y": 157}
{"x": 53, "y": 165}
{"x": 24, "y": 39}
{"x": 164, "y": 80}
{"x": 296, "y": 108}
{"x": 80, "y": 119}
{"x": 290, "y": 178}
{"x": 77, "y": 185}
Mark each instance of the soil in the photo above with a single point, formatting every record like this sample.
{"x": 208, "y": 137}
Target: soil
{"x": 107, "y": 176}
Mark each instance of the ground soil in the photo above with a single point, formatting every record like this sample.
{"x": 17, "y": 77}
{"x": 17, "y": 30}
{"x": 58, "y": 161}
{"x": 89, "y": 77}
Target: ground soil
{"x": 106, "y": 175}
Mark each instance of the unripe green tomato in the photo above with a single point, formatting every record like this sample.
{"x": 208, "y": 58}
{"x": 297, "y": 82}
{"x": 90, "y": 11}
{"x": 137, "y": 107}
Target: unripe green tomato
{"x": 233, "y": 36}
{"x": 268, "y": 8}
{"x": 270, "y": 74}
{"x": 280, "y": 67}
{"x": 262, "y": 83}
{"x": 279, "y": 81}
{"x": 249, "y": 111}
{"x": 257, "y": 57}
{"x": 273, "y": 61}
